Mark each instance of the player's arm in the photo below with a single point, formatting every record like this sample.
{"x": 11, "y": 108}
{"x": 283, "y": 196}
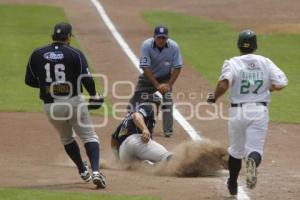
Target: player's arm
{"x": 174, "y": 76}
{"x": 162, "y": 88}
{"x": 223, "y": 84}
{"x": 30, "y": 79}
{"x": 89, "y": 84}
{"x": 150, "y": 77}
{"x": 145, "y": 63}
{"x": 95, "y": 100}
{"x": 138, "y": 120}
{"x": 177, "y": 65}
{"x": 221, "y": 88}
{"x": 278, "y": 77}
{"x": 87, "y": 79}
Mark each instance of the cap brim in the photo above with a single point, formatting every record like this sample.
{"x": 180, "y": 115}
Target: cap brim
{"x": 161, "y": 35}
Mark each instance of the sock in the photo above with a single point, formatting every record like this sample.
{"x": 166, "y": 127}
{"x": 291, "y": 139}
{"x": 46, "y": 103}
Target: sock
{"x": 92, "y": 151}
{"x": 73, "y": 152}
{"x": 234, "y": 166}
{"x": 256, "y": 157}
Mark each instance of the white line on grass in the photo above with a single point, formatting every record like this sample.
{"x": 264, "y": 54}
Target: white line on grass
{"x": 133, "y": 58}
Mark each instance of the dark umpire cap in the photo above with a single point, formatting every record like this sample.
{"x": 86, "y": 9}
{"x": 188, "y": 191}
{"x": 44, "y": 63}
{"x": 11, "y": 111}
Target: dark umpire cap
{"x": 161, "y": 31}
{"x": 61, "y": 30}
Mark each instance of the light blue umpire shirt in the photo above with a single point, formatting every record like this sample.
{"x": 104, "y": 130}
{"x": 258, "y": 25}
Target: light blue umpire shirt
{"x": 162, "y": 62}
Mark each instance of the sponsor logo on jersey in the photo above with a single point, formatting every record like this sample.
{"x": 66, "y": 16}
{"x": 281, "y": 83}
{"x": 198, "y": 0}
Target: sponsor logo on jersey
{"x": 53, "y": 56}
{"x": 252, "y": 66}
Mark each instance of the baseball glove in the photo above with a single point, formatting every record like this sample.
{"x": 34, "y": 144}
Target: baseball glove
{"x": 95, "y": 102}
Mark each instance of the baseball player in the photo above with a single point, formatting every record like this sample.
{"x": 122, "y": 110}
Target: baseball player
{"x": 59, "y": 71}
{"x": 132, "y": 139}
{"x": 161, "y": 63}
{"x": 250, "y": 78}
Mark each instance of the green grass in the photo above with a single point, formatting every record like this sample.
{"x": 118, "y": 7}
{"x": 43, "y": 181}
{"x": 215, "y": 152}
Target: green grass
{"x": 24, "y": 194}
{"x": 205, "y": 44}
{"x": 24, "y": 28}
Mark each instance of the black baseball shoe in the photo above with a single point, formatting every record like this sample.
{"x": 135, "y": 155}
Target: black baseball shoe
{"x": 85, "y": 175}
{"x": 168, "y": 133}
{"x": 99, "y": 180}
{"x": 232, "y": 187}
{"x": 251, "y": 173}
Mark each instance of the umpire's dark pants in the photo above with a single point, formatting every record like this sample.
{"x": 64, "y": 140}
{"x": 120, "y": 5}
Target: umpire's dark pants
{"x": 145, "y": 87}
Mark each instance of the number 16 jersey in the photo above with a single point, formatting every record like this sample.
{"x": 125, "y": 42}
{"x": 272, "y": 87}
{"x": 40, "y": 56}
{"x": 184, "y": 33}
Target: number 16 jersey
{"x": 56, "y": 69}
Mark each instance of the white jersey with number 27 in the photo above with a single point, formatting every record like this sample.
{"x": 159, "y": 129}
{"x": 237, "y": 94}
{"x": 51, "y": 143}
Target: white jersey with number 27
{"x": 250, "y": 77}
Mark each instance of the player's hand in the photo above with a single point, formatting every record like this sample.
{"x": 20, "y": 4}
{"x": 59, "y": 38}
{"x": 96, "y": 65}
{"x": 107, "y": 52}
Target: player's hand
{"x": 163, "y": 88}
{"x": 95, "y": 102}
{"x": 211, "y": 98}
{"x": 275, "y": 88}
{"x": 146, "y": 136}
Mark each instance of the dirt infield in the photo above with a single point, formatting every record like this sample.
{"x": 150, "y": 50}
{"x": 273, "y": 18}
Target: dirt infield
{"x": 32, "y": 156}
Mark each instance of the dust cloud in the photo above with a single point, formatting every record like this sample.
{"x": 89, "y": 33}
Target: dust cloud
{"x": 190, "y": 159}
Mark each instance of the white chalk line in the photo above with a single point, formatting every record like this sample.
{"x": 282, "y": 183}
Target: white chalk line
{"x": 135, "y": 61}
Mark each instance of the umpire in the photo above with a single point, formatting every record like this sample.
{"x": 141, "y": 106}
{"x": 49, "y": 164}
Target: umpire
{"x": 59, "y": 71}
{"x": 161, "y": 63}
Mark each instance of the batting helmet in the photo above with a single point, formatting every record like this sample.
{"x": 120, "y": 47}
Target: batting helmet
{"x": 247, "y": 42}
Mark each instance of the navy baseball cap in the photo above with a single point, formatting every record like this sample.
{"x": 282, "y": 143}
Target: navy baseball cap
{"x": 62, "y": 30}
{"x": 161, "y": 31}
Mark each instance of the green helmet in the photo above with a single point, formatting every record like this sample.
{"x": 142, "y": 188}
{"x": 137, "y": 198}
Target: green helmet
{"x": 247, "y": 41}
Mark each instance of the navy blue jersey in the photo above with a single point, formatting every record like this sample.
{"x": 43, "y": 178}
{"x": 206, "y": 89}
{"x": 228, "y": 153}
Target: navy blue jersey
{"x": 55, "y": 69}
{"x": 127, "y": 127}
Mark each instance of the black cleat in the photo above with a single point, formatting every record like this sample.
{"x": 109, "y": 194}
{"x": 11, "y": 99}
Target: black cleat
{"x": 168, "y": 133}
{"x": 85, "y": 175}
{"x": 232, "y": 187}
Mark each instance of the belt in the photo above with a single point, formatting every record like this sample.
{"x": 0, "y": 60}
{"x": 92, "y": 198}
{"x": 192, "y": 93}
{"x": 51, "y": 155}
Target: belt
{"x": 241, "y": 104}
{"x": 46, "y": 101}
